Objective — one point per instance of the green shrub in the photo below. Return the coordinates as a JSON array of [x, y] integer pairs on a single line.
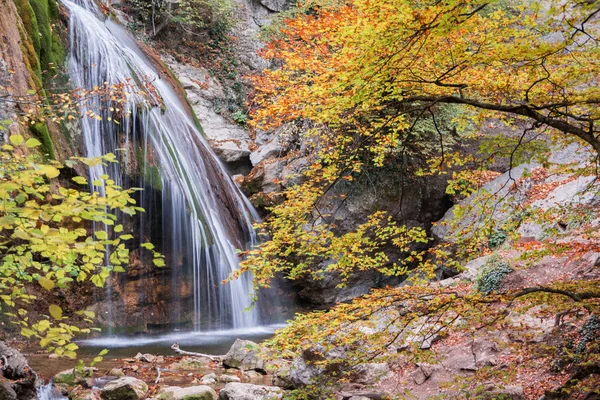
[[240, 117], [590, 332], [216, 17], [497, 238], [491, 276]]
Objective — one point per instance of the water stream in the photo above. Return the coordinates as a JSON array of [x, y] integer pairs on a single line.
[[202, 218]]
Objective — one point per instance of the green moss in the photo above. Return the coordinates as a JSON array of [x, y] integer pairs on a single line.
[[43, 52], [38, 17], [40, 131], [65, 377], [204, 396], [152, 177], [30, 40], [51, 53]]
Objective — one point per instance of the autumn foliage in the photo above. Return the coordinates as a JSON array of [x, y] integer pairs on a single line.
[[372, 81]]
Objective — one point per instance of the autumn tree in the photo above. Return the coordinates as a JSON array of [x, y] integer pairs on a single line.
[[372, 80], [57, 232]]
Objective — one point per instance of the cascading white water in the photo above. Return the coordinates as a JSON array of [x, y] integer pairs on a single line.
[[202, 212], [49, 392]]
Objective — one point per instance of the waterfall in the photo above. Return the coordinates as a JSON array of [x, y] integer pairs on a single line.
[[204, 218]]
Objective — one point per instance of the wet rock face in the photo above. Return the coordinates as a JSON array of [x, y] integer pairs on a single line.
[[228, 140], [276, 5], [567, 190]]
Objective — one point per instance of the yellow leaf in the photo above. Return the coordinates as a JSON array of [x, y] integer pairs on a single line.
[[46, 283], [55, 311], [50, 171]]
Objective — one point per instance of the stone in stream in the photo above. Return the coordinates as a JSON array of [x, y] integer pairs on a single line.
[[72, 377], [124, 388], [118, 372], [147, 358], [188, 393], [190, 364], [209, 379], [229, 378], [247, 391], [245, 355], [83, 394], [253, 375]]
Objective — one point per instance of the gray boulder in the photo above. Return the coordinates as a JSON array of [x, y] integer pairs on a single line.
[[245, 355], [118, 372], [305, 368], [247, 391], [276, 5], [281, 373], [229, 378], [188, 393], [510, 392], [368, 374], [125, 388], [190, 364], [209, 379], [271, 149], [19, 380]]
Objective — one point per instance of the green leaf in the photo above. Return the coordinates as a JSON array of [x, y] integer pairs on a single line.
[[32, 143], [102, 235], [17, 140]]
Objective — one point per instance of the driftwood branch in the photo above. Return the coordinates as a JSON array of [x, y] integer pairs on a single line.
[[157, 375], [177, 350]]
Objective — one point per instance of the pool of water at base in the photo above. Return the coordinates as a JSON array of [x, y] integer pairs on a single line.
[[211, 342]]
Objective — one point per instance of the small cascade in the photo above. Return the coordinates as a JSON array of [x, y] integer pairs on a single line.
[[202, 217], [48, 392]]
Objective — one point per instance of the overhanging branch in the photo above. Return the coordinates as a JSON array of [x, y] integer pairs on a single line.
[[532, 112]]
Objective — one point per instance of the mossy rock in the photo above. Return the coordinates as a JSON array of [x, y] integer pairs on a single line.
[[30, 41], [40, 131], [43, 52], [64, 378], [70, 377]]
